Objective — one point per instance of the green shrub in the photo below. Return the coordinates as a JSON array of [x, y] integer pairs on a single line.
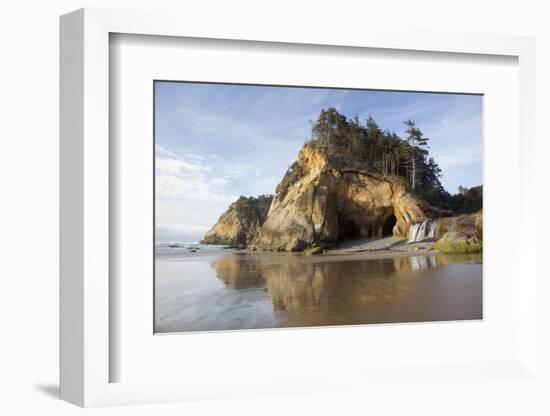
[[458, 247], [312, 251]]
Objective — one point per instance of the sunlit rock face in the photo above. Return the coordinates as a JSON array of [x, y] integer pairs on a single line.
[[240, 224], [471, 225], [317, 205]]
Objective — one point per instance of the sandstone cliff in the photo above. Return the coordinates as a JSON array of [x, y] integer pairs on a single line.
[[318, 205], [240, 224]]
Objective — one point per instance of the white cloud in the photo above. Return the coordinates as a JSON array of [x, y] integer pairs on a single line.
[[179, 178], [195, 187], [161, 151], [170, 162], [185, 219], [177, 166], [192, 156]]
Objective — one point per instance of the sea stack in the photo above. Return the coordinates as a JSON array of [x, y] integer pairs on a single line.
[[317, 205]]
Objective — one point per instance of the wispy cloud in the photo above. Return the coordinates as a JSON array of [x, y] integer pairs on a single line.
[[187, 196], [195, 187], [176, 166]]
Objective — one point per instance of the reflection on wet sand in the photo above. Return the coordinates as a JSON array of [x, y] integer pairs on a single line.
[[335, 291], [221, 290]]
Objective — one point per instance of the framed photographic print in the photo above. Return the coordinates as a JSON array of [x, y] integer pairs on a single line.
[[300, 204], [285, 206]]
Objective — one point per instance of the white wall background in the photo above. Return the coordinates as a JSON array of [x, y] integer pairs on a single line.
[[29, 206]]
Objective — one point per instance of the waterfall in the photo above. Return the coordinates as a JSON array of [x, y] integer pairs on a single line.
[[422, 231]]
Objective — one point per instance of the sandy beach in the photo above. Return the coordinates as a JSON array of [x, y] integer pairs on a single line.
[[215, 289]]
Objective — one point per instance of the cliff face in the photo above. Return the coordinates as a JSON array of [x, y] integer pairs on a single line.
[[317, 205], [471, 225], [240, 224]]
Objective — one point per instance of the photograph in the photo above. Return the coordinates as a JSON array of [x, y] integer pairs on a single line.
[[240, 208], [303, 206]]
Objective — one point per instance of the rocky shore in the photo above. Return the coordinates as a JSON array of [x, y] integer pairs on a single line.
[[387, 244]]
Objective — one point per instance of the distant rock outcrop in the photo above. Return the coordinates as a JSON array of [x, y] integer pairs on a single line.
[[240, 224], [317, 205]]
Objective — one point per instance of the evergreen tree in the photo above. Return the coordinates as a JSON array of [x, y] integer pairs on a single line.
[[372, 141], [347, 143], [416, 155], [331, 131]]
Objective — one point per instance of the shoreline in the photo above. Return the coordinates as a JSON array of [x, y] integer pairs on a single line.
[[337, 255], [343, 254], [374, 254], [368, 249]]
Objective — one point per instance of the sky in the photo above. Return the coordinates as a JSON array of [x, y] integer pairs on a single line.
[[215, 142]]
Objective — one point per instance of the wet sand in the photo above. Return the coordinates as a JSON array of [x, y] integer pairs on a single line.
[[215, 289]]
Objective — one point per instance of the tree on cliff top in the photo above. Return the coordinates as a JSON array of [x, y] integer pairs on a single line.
[[417, 142], [349, 144]]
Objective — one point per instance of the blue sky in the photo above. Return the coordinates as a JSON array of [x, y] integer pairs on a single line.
[[215, 142]]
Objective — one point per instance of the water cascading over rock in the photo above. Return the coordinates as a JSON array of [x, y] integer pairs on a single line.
[[422, 231]]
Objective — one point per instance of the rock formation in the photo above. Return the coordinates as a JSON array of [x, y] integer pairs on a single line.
[[471, 225], [239, 225], [317, 205], [461, 234]]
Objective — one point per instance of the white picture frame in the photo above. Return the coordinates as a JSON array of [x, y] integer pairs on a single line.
[[86, 265]]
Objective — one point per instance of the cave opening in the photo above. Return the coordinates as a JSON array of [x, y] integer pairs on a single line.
[[387, 226], [349, 230]]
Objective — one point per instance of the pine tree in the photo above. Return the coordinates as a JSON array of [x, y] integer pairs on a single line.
[[348, 143], [372, 139], [417, 141]]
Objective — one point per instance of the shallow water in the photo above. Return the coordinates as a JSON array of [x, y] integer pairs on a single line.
[[217, 289]]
